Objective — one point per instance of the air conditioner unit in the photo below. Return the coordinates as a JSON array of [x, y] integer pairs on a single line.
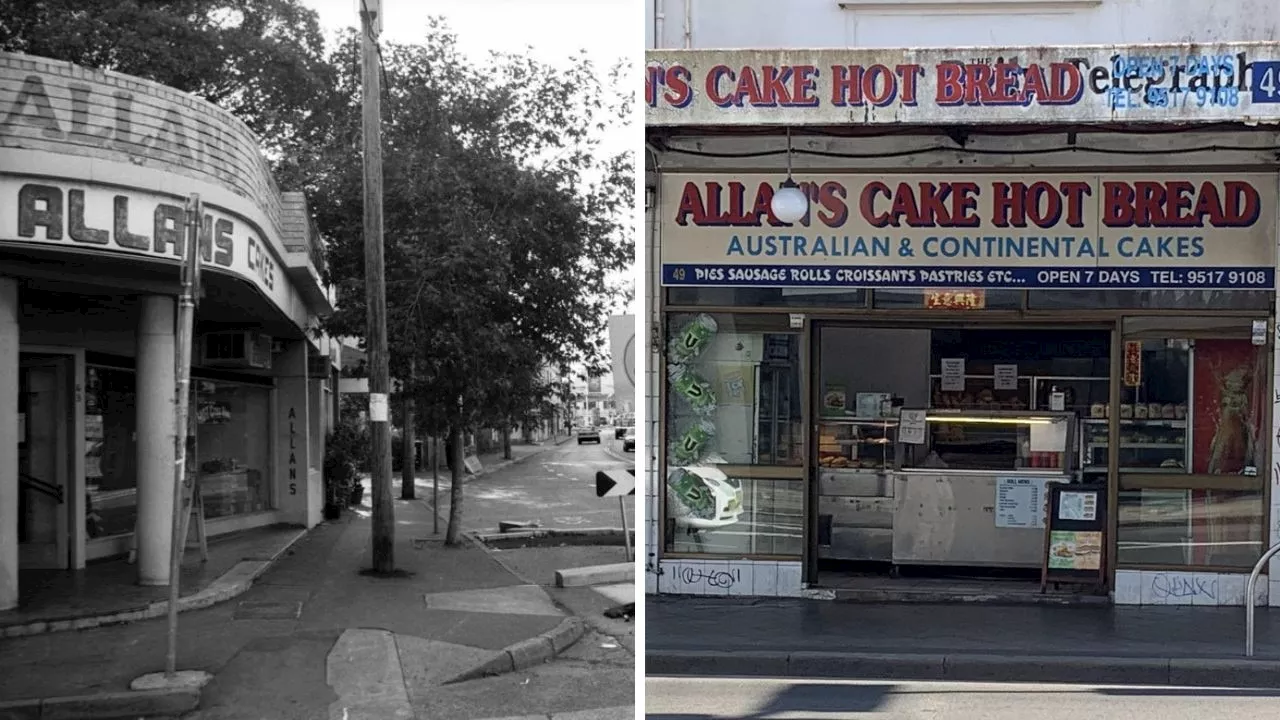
[[241, 349]]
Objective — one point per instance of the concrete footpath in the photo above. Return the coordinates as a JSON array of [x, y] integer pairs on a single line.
[[1194, 646], [314, 637]]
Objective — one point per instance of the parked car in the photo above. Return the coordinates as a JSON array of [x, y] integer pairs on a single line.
[[629, 440], [588, 434]]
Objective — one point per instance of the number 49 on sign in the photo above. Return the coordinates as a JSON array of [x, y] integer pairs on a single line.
[[1266, 82]]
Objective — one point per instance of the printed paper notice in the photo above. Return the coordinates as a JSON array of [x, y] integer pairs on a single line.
[[1006, 377], [952, 374], [1020, 502], [377, 407], [911, 427], [1078, 506]]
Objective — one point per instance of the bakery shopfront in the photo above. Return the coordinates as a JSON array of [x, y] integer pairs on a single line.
[[902, 296], [95, 169]]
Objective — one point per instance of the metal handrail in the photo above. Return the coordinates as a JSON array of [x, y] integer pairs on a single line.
[[40, 486], [1249, 597]]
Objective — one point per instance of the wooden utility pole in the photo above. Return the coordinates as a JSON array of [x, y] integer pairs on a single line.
[[375, 292]]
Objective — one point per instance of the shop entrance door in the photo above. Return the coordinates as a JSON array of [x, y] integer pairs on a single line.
[[44, 461]]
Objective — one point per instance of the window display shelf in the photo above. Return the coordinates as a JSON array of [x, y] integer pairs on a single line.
[[857, 443], [1146, 445], [1139, 421], [1136, 470]]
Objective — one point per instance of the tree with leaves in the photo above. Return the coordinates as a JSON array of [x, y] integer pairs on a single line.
[[504, 228]]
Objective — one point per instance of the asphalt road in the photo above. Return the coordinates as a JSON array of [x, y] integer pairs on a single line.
[[779, 699], [556, 489]]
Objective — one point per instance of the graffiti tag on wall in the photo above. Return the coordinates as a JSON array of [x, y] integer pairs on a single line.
[[1183, 588], [719, 579]]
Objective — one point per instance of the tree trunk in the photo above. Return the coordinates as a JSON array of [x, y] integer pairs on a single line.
[[506, 441], [451, 535], [408, 456]]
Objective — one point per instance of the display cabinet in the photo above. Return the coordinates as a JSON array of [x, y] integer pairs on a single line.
[[856, 460], [858, 443], [779, 426], [995, 441], [1147, 445]]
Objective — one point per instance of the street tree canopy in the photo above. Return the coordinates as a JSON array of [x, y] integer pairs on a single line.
[[504, 223]]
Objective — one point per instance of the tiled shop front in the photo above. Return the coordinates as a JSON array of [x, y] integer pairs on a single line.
[[1052, 267]]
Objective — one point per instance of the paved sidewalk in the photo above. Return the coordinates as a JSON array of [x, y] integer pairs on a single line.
[[315, 636], [1191, 645], [107, 592]]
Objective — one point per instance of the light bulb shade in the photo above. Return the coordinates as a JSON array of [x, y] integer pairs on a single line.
[[789, 202]]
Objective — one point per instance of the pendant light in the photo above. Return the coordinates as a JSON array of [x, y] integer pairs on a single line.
[[789, 202]]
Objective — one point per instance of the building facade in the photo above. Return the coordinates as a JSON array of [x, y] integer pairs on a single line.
[[593, 402], [95, 168], [1017, 274]]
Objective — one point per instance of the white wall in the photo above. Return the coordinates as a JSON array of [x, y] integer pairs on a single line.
[[959, 23]]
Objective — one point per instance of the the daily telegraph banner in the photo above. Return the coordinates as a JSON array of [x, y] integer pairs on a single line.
[[974, 231], [1088, 84]]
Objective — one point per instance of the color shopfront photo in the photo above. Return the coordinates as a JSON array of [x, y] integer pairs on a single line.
[[881, 355]]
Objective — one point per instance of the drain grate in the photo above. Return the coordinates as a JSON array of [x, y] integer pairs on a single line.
[[267, 610]]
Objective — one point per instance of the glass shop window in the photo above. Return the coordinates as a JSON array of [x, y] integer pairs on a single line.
[[733, 400]]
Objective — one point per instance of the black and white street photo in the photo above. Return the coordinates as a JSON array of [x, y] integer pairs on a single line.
[[317, 359]]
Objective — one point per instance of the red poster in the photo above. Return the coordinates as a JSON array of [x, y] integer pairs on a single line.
[[1228, 390]]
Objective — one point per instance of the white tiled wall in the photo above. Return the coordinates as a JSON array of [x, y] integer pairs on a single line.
[[1160, 587], [652, 363], [746, 578]]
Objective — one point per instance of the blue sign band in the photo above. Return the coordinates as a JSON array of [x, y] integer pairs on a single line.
[[876, 276]]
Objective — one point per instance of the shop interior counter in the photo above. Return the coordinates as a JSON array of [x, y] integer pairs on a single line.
[[973, 492]]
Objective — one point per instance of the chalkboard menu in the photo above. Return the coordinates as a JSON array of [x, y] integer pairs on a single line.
[[1075, 535]]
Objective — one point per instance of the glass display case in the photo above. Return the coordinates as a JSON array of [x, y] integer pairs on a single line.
[[854, 443], [995, 441]]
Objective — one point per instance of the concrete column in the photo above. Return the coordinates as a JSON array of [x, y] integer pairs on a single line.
[[9, 312], [156, 390], [296, 491]]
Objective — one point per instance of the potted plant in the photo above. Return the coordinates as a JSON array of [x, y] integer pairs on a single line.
[[343, 455]]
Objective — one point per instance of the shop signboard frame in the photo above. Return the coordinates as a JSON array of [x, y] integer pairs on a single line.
[[1015, 85], [1022, 230], [1075, 535]]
